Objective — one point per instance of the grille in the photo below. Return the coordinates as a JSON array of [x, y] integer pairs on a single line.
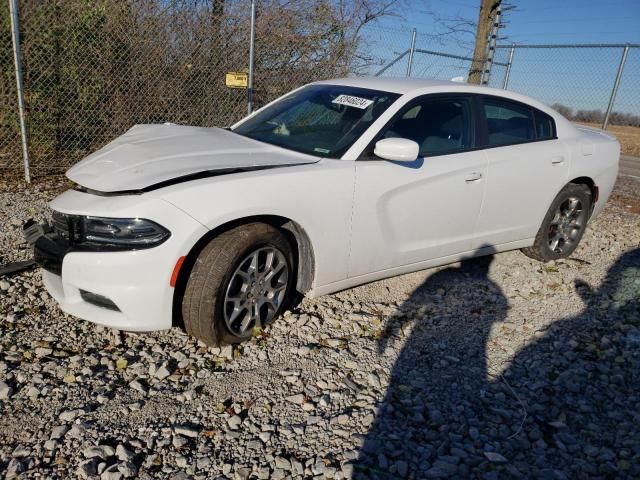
[[60, 224]]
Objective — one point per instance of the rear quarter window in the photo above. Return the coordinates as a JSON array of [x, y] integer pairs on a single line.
[[508, 122], [545, 126]]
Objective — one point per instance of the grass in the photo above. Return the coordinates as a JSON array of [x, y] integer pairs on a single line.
[[629, 137]]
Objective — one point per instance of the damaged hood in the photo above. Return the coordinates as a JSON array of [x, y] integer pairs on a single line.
[[149, 155]]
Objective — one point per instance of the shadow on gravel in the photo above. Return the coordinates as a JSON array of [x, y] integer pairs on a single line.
[[567, 406]]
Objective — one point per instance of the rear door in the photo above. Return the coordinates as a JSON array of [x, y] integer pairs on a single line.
[[528, 165]]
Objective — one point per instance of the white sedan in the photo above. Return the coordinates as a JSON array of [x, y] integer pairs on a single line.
[[335, 184]]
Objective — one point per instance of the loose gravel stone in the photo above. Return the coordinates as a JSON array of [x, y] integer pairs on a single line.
[[128, 469], [234, 422], [489, 368], [5, 391], [495, 457], [187, 430], [138, 385], [297, 399], [58, 432], [123, 453], [88, 468], [93, 452], [70, 415], [162, 373]]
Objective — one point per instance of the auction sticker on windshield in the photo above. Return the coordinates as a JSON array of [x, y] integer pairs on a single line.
[[350, 101]]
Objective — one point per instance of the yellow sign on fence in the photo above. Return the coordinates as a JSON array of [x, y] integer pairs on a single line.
[[237, 79]]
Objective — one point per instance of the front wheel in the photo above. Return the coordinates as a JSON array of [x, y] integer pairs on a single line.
[[240, 281], [563, 225]]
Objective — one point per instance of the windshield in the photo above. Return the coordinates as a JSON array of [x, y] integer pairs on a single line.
[[322, 120]]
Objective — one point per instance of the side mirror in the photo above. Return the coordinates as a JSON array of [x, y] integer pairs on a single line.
[[397, 149]]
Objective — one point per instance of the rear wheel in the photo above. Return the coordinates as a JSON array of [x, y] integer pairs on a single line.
[[240, 281], [563, 225]]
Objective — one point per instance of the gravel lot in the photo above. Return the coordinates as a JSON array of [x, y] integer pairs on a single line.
[[491, 368]]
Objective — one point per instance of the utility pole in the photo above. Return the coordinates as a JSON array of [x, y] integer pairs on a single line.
[[491, 48], [485, 27]]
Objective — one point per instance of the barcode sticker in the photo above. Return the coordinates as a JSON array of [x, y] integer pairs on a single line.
[[350, 101]]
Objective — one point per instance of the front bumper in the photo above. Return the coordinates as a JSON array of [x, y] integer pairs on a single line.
[[136, 283], [49, 251]]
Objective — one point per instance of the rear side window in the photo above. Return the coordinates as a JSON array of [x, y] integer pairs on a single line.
[[508, 122], [545, 126]]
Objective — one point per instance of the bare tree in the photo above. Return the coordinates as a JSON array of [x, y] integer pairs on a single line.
[[596, 116], [563, 110], [355, 15], [304, 40]]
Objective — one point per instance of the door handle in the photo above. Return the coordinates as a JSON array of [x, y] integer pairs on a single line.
[[473, 177], [559, 160]]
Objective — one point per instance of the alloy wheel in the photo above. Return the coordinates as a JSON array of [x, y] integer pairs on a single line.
[[566, 226], [256, 290]]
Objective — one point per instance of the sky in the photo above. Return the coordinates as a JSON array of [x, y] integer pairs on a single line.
[[545, 21], [581, 78]]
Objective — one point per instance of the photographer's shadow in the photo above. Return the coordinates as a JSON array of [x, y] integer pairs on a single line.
[[439, 380], [566, 407]]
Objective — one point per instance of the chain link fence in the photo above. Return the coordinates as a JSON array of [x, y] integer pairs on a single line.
[[433, 60], [578, 80], [94, 69]]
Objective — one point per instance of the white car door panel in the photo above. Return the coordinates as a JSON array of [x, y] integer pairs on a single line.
[[522, 181], [521, 184], [405, 214]]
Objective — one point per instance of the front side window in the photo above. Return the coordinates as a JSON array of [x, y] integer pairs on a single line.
[[508, 122], [438, 126], [321, 120]]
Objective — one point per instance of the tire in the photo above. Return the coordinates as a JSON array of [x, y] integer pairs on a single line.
[[225, 297], [563, 225]]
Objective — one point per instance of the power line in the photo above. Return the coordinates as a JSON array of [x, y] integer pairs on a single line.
[[564, 34], [559, 20]]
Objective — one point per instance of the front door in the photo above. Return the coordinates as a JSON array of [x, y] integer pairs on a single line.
[[406, 213]]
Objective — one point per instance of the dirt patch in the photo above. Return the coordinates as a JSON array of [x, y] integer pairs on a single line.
[[626, 195], [630, 204]]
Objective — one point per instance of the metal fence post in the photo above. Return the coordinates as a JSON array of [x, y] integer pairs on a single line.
[[507, 72], [17, 58], [252, 41], [616, 84], [411, 52], [391, 64]]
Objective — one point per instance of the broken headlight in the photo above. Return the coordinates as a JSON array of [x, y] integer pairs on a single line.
[[132, 232], [109, 233]]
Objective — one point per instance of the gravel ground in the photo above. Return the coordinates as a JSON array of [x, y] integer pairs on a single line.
[[491, 368]]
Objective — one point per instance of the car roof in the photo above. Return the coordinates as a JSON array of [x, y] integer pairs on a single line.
[[421, 86], [391, 84]]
